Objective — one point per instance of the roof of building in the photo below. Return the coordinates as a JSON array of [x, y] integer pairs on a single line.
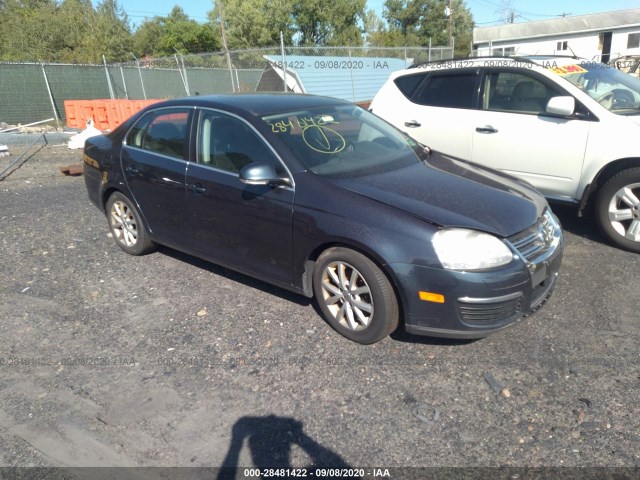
[[558, 26], [355, 79]]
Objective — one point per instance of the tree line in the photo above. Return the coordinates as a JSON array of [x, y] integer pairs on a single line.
[[76, 31]]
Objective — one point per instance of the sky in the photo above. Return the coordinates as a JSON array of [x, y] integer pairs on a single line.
[[485, 12]]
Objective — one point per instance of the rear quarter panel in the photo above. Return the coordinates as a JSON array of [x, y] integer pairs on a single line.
[[102, 160]]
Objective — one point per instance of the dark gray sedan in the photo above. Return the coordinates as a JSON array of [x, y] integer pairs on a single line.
[[321, 197]]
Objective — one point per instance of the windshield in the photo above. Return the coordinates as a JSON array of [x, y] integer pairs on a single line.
[[344, 141], [615, 90]]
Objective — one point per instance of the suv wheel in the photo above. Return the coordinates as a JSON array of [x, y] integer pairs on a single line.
[[618, 209]]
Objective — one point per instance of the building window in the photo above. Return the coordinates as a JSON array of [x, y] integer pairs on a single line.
[[504, 51], [633, 40], [562, 45]]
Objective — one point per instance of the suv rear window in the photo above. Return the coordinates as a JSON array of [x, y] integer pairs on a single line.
[[408, 84], [448, 89]]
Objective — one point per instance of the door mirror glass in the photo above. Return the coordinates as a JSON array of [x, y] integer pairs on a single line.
[[563, 106]]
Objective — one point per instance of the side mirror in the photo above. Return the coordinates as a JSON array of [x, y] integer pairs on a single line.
[[563, 106], [261, 174]]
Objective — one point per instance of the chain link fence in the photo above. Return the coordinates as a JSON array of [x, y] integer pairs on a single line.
[[32, 92]]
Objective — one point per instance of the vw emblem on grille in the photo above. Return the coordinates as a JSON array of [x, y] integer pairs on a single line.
[[545, 232]]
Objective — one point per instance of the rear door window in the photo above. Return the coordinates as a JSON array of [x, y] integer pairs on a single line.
[[451, 89], [162, 131]]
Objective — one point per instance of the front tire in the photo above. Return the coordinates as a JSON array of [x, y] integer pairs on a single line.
[[618, 210], [355, 296], [126, 225]]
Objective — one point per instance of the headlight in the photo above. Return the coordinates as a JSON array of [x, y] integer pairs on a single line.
[[461, 249]]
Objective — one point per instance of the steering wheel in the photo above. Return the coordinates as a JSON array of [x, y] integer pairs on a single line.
[[623, 98], [606, 100], [616, 99]]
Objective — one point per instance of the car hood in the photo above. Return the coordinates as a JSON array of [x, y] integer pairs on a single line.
[[454, 193]]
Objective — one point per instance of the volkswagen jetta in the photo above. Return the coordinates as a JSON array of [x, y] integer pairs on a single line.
[[321, 197]]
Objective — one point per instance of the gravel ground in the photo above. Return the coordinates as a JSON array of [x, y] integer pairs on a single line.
[[165, 360]]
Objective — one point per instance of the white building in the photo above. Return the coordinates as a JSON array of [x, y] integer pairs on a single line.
[[599, 37]]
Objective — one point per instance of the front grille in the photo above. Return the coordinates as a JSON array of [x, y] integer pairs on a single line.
[[539, 240], [486, 312], [528, 244]]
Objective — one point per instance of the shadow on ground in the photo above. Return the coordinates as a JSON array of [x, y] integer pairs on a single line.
[[584, 226], [270, 440], [235, 276]]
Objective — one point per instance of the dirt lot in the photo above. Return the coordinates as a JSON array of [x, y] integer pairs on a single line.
[[165, 360]]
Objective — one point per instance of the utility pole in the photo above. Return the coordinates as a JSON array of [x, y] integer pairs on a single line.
[[224, 43], [449, 13]]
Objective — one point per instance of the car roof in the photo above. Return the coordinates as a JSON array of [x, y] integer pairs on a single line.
[[542, 60], [560, 60], [257, 104]]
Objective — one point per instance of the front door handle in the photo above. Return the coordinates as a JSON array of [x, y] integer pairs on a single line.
[[132, 169], [486, 129], [412, 124], [198, 188]]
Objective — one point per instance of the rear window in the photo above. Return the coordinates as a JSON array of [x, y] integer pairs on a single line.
[[449, 89], [409, 83]]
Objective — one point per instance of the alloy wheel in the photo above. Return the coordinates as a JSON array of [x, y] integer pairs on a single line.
[[347, 295], [624, 212], [123, 224]]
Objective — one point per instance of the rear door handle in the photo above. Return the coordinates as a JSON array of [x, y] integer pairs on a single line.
[[198, 188], [486, 129], [132, 169], [412, 124]]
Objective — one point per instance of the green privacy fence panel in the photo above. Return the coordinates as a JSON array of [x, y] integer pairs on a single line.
[[207, 80], [170, 83], [158, 83], [25, 95], [75, 82]]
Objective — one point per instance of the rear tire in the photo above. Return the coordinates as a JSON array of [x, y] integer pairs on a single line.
[[617, 209], [355, 296], [126, 225]]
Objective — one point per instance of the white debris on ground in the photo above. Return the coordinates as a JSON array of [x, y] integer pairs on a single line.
[[77, 141], [41, 126], [4, 151]]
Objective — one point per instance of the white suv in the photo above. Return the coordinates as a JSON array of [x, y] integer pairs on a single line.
[[569, 126]]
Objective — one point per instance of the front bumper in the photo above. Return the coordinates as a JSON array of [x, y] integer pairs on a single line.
[[477, 304]]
